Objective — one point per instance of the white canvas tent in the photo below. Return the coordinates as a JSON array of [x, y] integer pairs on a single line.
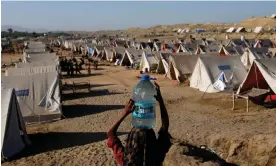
[[119, 53], [163, 65], [250, 54], [13, 132], [35, 51], [181, 66], [35, 64], [149, 62], [191, 48], [258, 29], [240, 29], [109, 54], [41, 58], [231, 30], [133, 56], [30, 70], [261, 75], [216, 73], [38, 95], [40, 54], [231, 51]]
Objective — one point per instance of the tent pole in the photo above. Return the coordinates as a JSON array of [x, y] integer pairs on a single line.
[[233, 96], [209, 86]]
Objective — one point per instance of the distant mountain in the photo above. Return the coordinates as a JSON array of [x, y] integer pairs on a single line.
[[20, 29]]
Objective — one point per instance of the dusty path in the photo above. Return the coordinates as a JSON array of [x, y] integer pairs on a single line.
[[236, 136]]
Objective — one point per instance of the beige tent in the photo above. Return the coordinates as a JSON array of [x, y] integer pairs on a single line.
[[109, 54], [119, 53], [231, 50], [133, 56], [250, 54], [29, 70], [181, 66], [32, 58], [231, 30], [13, 133], [258, 29], [38, 95], [261, 75], [240, 29], [149, 62], [216, 73]]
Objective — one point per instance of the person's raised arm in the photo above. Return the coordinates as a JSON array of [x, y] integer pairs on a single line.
[[163, 110], [127, 110]]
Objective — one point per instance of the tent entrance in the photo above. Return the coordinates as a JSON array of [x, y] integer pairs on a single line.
[[172, 72], [113, 59], [222, 52], [254, 79], [160, 68], [126, 61]]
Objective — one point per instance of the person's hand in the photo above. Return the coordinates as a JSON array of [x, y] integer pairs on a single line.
[[129, 107], [158, 95]]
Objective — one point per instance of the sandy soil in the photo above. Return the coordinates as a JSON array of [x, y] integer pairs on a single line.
[[10, 58], [236, 136]]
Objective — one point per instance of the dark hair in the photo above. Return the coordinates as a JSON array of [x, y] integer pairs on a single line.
[[140, 146]]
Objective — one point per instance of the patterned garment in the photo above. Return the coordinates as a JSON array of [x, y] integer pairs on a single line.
[[142, 148]]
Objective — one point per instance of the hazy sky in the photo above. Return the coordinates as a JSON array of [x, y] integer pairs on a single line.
[[122, 15]]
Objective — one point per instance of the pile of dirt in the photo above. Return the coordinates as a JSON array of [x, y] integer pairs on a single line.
[[255, 150], [243, 151]]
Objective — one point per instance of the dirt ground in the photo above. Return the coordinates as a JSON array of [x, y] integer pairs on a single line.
[[237, 137], [10, 58]]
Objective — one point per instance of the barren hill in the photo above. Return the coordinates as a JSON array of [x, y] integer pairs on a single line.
[[258, 21]]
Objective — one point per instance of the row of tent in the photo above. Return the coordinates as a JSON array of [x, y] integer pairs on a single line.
[[132, 57], [30, 94], [242, 29], [194, 46], [206, 72]]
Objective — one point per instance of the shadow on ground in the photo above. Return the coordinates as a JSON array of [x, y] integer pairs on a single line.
[[64, 76], [45, 142], [93, 93], [82, 85], [73, 111], [100, 68], [204, 155]]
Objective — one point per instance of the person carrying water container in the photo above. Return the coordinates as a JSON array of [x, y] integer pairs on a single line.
[[142, 147]]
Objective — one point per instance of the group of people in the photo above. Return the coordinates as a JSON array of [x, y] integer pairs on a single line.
[[71, 65]]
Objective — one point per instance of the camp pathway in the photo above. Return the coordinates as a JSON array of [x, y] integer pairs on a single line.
[[80, 139]]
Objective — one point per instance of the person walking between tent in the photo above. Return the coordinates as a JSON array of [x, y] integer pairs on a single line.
[[142, 147], [70, 68], [95, 65], [89, 68]]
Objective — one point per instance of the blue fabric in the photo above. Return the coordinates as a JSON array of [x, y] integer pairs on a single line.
[[91, 50], [224, 67]]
